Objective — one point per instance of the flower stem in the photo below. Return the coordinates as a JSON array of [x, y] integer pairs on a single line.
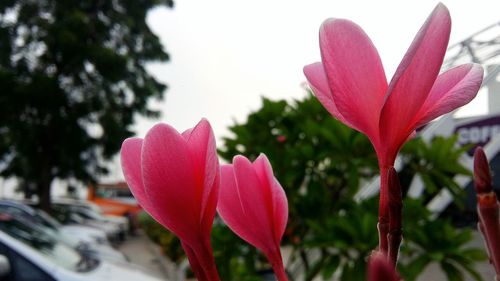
[[276, 261], [193, 261], [395, 216], [279, 271], [383, 211], [489, 224], [204, 255]]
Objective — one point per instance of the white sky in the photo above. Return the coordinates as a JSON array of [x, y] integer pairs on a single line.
[[226, 54]]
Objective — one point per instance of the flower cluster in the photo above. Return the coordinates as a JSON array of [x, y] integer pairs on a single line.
[[176, 177]]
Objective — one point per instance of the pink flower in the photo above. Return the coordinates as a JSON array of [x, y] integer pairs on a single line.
[[253, 204], [351, 83], [175, 178]]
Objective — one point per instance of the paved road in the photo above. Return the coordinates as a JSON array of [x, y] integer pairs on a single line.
[[141, 251]]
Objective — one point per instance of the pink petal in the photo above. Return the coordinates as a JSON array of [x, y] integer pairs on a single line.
[[208, 213], [280, 210], [130, 155], [230, 208], [201, 144], [277, 200], [411, 135], [414, 78], [187, 133], [318, 82], [452, 89], [256, 201], [355, 74], [170, 182]]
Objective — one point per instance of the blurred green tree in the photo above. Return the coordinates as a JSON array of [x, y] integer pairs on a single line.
[[73, 77], [436, 163]]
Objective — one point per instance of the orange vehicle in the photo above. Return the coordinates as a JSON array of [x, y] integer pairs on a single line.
[[115, 199]]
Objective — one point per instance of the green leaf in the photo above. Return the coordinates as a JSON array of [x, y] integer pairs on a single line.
[[411, 270], [330, 267], [475, 254], [451, 271]]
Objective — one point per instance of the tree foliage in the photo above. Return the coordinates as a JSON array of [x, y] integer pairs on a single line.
[[73, 77], [436, 163]]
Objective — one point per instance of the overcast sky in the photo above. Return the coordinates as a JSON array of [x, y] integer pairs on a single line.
[[226, 54]]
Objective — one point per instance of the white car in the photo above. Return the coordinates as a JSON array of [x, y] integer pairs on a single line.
[[123, 222], [87, 234], [83, 233], [87, 240], [29, 254], [91, 211], [82, 213], [111, 230]]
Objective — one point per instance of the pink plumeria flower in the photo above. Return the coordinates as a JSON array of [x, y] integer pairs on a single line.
[[175, 178], [253, 204], [351, 83]]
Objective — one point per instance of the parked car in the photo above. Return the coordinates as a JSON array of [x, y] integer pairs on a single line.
[[26, 253], [66, 214], [91, 211], [122, 221], [88, 246], [81, 232]]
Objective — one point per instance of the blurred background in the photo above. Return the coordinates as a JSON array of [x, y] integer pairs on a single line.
[[78, 77]]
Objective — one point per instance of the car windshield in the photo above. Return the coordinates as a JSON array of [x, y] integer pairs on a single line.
[[65, 216], [47, 220], [90, 214], [47, 245], [82, 211], [29, 214]]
